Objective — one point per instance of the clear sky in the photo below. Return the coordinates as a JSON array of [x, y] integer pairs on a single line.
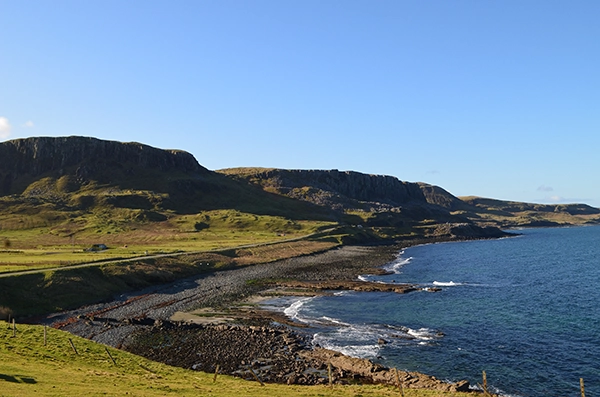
[[494, 98]]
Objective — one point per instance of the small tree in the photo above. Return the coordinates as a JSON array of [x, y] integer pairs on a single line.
[[7, 243]]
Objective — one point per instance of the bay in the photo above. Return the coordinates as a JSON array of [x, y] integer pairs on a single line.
[[523, 309]]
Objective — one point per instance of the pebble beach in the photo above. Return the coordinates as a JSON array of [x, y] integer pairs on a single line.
[[254, 348]]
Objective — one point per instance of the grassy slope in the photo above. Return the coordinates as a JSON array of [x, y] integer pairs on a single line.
[[27, 367], [49, 245]]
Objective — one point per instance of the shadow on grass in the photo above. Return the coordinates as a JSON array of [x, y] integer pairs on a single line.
[[17, 379]]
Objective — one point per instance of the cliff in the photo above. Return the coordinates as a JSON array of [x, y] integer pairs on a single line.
[[83, 173], [24, 161], [339, 189], [373, 200]]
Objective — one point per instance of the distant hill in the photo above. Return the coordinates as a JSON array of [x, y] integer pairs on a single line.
[[506, 214], [379, 200], [387, 201], [517, 214], [55, 181]]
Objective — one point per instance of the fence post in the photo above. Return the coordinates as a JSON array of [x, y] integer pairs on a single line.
[[14, 328], [73, 346], [256, 377], [45, 332], [216, 373], [484, 382], [110, 355], [329, 374], [582, 387], [484, 386]]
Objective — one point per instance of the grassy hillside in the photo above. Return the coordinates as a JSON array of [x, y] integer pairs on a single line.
[[32, 240], [29, 367]]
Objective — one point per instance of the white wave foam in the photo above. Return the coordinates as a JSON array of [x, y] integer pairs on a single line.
[[446, 283], [398, 264], [363, 340], [352, 349], [335, 321], [293, 310], [365, 351], [363, 278], [423, 334], [341, 293]]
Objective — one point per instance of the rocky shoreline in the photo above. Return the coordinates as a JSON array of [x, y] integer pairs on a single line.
[[270, 353], [248, 345]]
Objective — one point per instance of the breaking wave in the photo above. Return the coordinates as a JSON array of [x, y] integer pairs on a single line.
[[446, 283]]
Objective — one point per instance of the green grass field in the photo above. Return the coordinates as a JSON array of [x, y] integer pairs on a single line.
[[49, 291], [65, 243], [28, 367]]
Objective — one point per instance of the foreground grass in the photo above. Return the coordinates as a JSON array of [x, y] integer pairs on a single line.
[[28, 367]]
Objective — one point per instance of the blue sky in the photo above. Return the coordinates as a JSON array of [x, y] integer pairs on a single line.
[[492, 98]]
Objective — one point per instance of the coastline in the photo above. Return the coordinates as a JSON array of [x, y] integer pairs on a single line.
[[224, 305]]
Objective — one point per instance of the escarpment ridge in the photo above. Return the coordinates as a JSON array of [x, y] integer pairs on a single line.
[[75, 170], [382, 189]]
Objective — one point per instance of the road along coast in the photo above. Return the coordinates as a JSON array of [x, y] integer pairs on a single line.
[[247, 344]]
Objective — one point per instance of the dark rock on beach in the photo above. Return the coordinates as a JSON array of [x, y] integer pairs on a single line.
[[351, 285], [271, 354]]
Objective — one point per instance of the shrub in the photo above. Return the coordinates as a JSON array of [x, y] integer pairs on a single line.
[[5, 313]]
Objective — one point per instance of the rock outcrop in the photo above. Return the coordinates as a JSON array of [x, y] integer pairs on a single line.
[[350, 285], [380, 374]]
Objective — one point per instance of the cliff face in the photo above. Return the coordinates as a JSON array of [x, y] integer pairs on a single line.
[[25, 160], [341, 189], [354, 185]]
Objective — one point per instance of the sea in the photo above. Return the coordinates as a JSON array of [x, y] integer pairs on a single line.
[[524, 309]]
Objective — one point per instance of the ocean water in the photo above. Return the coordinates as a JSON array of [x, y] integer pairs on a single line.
[[525, 309]]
